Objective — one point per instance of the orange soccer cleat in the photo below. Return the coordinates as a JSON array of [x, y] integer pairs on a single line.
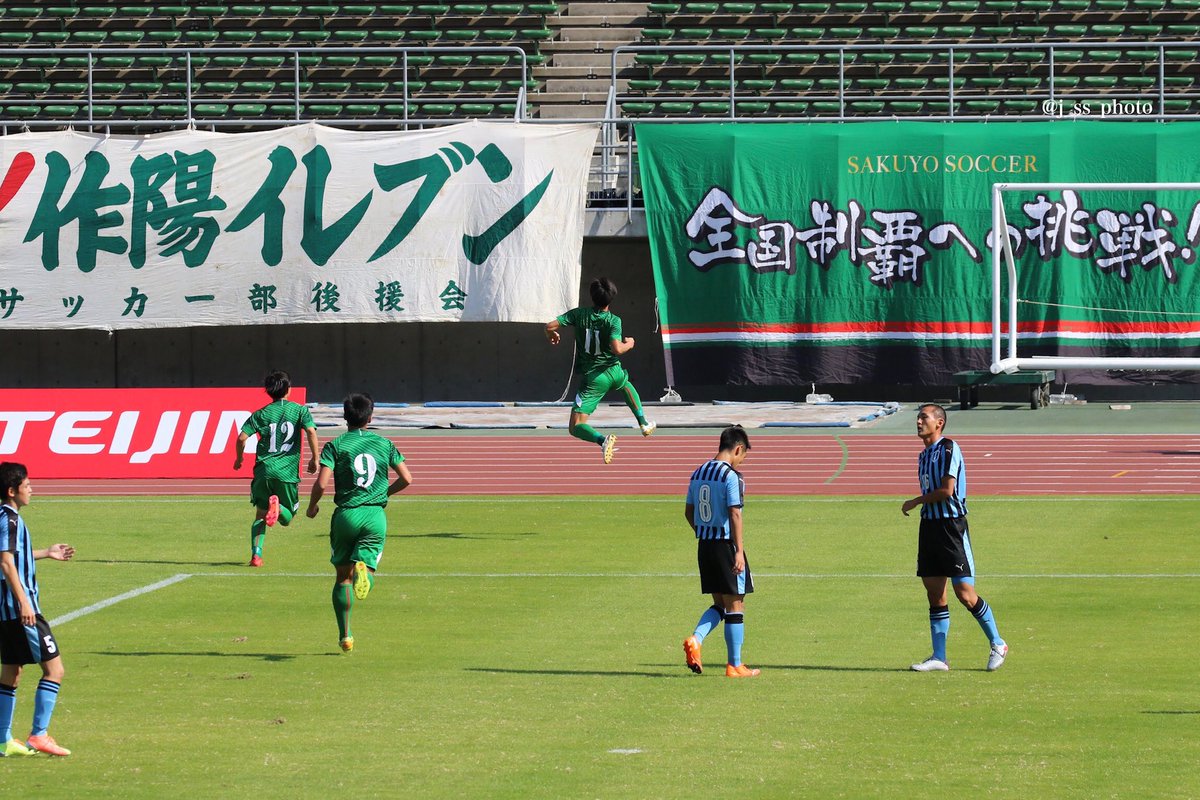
[[272, 510], [691, 652], [740, 671], [46, 744]]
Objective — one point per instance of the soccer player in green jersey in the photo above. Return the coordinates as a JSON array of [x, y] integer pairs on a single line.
[[358, 462], [598, 347], [274, 491]]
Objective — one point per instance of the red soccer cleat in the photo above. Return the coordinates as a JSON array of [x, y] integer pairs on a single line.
[[272, 510], [46, 744], [256, 561]]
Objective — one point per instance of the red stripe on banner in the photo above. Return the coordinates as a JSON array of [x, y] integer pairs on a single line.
[[1146, 327]]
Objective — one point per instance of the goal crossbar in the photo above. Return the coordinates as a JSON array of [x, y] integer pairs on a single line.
[[1002, 258]]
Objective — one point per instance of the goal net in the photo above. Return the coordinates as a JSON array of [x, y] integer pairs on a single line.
[[1095, 276]]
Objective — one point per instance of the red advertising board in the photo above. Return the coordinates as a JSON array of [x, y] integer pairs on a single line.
[[128, 433]]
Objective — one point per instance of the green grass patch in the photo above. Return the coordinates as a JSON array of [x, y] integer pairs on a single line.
[[530, 647]]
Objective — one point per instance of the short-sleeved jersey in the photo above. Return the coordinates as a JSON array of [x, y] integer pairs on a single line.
[[594, 329], [360, 461], [715, 488], [938, 460], [279, 426], [14, 538]]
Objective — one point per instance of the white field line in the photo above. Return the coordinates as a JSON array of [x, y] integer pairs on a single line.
[[691, 575], [119, 598], [533, 498]]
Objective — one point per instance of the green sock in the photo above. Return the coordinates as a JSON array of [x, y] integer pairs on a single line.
[[285, 515], [258, 532], [587, 433], [343, 601], [371, 579], [634, 402]]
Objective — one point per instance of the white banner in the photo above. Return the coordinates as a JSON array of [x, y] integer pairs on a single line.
[[472, 222]]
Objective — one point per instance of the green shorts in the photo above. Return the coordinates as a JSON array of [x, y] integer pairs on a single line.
[[593, 387], [261, 490], [357, 534]]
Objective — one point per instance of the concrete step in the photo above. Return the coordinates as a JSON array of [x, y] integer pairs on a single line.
[[623, 34], [606, 9], [601, 61], [565, 111], [594, 100], [589, 86], [610, 20]]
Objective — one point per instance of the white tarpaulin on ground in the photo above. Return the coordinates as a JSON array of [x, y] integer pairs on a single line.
[[472, 222]]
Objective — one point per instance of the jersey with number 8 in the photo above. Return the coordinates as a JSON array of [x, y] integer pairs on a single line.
[[278, 426], [361, 462]]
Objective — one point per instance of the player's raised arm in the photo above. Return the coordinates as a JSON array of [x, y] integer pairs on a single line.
[[552, 334], [320, 485], [404, 479]]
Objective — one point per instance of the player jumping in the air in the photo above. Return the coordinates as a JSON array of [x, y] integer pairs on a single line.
[[598, 347], [274, 491]]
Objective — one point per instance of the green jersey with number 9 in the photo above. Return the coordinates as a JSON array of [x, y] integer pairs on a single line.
[[278, 426], [594, 329], [361, 461]]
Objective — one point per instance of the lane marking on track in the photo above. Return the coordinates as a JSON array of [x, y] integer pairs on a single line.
[[1190, 497], [120, 598], [1122, 472], [845, 459]]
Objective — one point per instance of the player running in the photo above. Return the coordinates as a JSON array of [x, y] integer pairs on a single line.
[[358, 462], [274, 491], [25, 636], [598, 347]]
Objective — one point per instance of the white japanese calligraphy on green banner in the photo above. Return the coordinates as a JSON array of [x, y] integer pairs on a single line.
[[472, 222]]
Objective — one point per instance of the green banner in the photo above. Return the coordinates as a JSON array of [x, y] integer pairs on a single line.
[[788, 253]]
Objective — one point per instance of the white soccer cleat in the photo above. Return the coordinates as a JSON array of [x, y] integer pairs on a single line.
[[997, 656], [931, 664], [649, 428], [609, 447]]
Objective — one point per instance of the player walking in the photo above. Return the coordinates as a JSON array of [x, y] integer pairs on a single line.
[[358, 462], [25, 636], [714, 510], [599, 345], [274, 491], [944, 544]]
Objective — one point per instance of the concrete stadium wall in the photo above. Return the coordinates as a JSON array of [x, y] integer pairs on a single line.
[[402, 362]]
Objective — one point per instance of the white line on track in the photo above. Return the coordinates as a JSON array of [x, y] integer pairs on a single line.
[[119, 598], [501, 500]]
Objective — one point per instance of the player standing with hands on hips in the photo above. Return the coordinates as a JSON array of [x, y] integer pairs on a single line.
[[944, 544]]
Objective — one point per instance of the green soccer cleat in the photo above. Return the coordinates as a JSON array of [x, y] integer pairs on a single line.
[[14, 748], [362, 580]]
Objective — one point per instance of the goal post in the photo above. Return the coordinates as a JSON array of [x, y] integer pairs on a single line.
[[1004, 263]]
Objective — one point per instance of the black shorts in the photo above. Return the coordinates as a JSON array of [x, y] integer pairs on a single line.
[[21, 644], [944, 549], [715, 558]]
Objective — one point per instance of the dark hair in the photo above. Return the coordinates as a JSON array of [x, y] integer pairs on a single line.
[[603, 292], [277, 384], [732, 436], [938, 412], [357, 409], [12, 475]]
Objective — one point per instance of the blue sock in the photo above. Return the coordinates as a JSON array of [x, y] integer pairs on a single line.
[[983, 615], [8, 704], [734, 634], [43, 706], [710, 619], [939, 627]]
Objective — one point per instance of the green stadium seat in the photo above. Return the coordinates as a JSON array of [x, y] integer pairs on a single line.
[[1021, 106], [795, 84], [981, 106], [437, 109], [201, 36], [720, 33], [15, 37], [663, 9], [275, 36], [238, 36], [657, 34], [27, 87], [69, 87], [164, 37], [477, 109], [145, 87], [454, 61], [461, 35], [350, 36], [57, 110], [675, 107], [420, 36], [1099, 81], [906, 106], [21, 112], [53, 37], [740, 9], [866, 106], [644, 85], [23, 11], [789, 108], [310, 37], [323, 109], [248, 109], [683, 84], [98, 12], [631, 109], [229, 62]]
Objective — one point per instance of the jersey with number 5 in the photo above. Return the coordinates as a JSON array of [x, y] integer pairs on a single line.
[[361, 461], [594, 329], [279, 426], [715, 488]]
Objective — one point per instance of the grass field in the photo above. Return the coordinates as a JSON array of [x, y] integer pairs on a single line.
[[531, 648]]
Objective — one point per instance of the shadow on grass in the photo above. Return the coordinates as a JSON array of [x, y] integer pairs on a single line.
[[600, 673], [160, 561], [273, 657], [830, 668], [1173, 713], [463, 535]]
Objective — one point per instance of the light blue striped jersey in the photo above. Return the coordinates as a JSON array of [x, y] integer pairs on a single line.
[[715, 488], [14, 538], [938, 460]]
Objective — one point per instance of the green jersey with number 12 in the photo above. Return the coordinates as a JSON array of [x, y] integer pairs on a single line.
[[360, 461], [594, 329], [279, 427]]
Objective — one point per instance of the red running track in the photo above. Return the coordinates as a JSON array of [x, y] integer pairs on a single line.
[[788, 465]]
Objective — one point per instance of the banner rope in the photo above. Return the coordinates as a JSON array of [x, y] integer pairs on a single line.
[[1104, 308]]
